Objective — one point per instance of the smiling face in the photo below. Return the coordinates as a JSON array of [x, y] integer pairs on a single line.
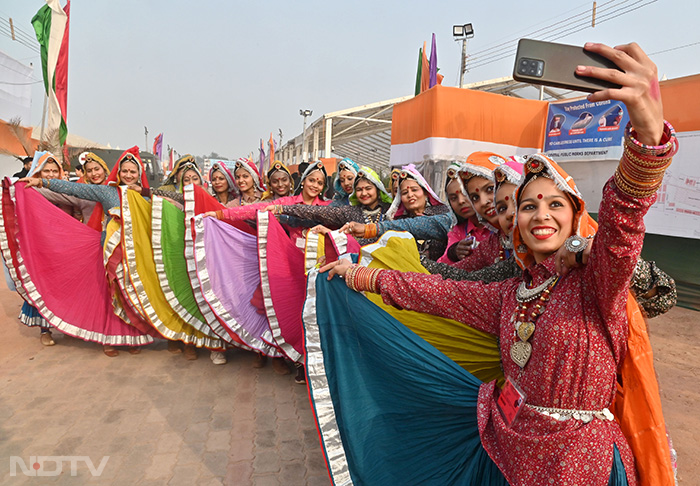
[[244, 180], [313, 184], [505, 207], [50, 170], [366, 193], [480, 192], [458, 201], [280, 183], [191, 177], [219, 182], [413, 197], [95, 173], [346, 178], [129, 173], [545, 217]]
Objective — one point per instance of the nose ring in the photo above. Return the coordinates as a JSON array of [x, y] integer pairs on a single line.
[[546, 216]]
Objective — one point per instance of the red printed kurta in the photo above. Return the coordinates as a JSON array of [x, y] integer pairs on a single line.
[[579, 341]]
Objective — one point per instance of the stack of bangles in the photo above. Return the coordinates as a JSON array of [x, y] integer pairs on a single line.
[[370, 231], [641, 170], [360, 278], [219, 214]]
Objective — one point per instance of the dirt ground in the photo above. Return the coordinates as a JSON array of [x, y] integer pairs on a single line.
[[675, 338]]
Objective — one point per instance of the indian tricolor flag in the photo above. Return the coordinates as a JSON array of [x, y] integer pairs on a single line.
[[443, 125], [51, 27]]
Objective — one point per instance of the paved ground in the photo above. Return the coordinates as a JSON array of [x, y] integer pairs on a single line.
[[166, 421], [160, 419]]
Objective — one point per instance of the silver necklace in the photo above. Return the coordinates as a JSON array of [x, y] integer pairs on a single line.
[[525, 294]]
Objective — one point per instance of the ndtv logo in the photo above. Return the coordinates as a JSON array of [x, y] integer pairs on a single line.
[[37, 465]]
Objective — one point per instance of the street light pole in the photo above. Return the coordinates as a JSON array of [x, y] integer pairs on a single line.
[[304, 113], [463, 66], [145, 138], [463, 32]]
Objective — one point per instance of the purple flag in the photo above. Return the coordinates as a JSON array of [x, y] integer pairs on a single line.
[[433, 63], [262, 157]]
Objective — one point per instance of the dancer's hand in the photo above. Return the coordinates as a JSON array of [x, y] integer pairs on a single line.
[[338, 267], [640, 90], [31, 181], [353, 228], [210, 214], [565, 260], [135, 187], [319, 228], [464, 249]]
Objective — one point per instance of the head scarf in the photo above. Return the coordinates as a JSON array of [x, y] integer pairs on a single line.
[[394, 177], [182, 164], [453, 172], [318, 165], [480, 164], [249, 166], [345, 164], [278, 167], [410, 172], [232, 188], [511, 172], [86, 157], [184, 168], [129, 155], [370, 175], [40, 162], [539, 165]]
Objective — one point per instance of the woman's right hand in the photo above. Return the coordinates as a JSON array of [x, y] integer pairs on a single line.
[[639, 90], [353, 228], [135, 187], [210, 214]]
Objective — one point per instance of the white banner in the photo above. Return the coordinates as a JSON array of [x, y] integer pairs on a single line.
[[15, 90], [677, 209]]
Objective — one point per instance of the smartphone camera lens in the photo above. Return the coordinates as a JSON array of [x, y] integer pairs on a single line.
[[531, 67]]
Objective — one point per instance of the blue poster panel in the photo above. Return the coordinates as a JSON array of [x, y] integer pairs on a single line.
[[580, 130]]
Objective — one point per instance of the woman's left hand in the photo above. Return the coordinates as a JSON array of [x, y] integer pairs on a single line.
[[338, 267], [640, 90], [565, 260], [135, 187]]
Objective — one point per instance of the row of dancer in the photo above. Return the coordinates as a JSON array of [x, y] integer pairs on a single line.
[[546, 321]]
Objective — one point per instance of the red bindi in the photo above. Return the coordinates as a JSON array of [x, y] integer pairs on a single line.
[[506, 198], [476, 190], [539, 196]]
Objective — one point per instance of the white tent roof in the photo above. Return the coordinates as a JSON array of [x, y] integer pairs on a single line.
[[363, 133]]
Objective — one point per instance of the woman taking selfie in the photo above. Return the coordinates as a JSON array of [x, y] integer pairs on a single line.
[[562, 338]]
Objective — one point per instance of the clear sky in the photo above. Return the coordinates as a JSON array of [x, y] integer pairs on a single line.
[[218, 76]]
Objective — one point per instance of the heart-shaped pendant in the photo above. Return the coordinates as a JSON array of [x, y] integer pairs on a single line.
[[525, 330], [520, 353]]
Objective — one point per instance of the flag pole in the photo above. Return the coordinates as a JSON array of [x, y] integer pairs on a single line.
[[43, 117]]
